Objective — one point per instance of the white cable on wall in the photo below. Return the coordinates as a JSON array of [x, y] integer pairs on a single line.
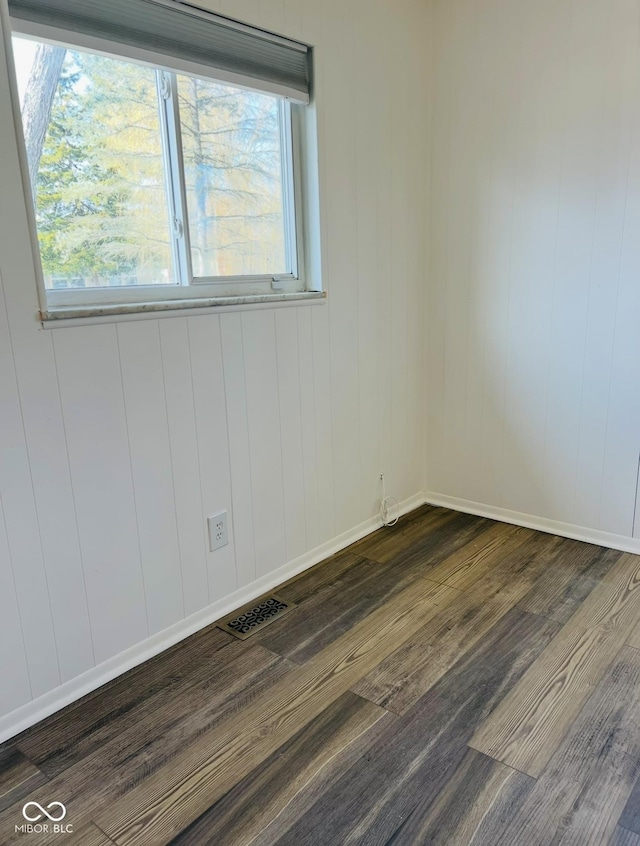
[[388, 505]]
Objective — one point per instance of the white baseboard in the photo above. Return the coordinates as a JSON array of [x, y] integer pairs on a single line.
[[36, 710], [69, 692], [553, 527]]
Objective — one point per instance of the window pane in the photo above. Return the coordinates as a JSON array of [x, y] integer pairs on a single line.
[[233, 171], [92, 132]]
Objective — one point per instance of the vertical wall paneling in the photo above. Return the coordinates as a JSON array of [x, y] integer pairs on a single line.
[[623, 423], [308, 427], [472, 113], [623, 420], [51, 562], [417, 69], [474, 248], [313, 16], [537, 187], [608, 290], [399, 278], [265, 444], [96, 427], [510, 456], [211, 5], [367, 144], [293, 469], [241, 491], [456, 302], [54, 499], [424, 365], [576, 220], [471, 248], [385, 261], [292, 19], [242, 10], [505, 143], [56, 516], [148, 429], [24, 547], [15, 689], [176, 363], [213, 445], [272, 15], [119, 439], [438, 222], [323, 409], [46, 463], [533, 301], [341, 198]]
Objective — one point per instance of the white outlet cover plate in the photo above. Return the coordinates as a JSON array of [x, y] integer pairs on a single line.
[[218, 525]]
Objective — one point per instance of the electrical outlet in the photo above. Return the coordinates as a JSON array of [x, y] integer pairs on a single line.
[[218, 530]]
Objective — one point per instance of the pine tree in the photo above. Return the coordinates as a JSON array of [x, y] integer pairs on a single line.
[[101, 201]]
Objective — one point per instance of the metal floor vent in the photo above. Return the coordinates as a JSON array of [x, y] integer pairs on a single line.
[[248, 620]]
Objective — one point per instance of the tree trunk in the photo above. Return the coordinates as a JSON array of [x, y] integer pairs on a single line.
[[38, 100]]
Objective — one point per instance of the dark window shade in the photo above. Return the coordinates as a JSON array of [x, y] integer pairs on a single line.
[[176, 36]]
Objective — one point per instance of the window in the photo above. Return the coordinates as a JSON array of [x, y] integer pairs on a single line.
[[151, 181]]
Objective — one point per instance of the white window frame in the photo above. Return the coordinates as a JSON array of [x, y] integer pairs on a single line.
[[188, 290]]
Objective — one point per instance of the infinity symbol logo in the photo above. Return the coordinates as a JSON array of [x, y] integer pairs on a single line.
[[44, 812]]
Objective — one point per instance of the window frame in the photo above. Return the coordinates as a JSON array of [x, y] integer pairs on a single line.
[[187, 290]]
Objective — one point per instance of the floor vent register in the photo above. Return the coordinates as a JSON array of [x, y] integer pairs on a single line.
[[254, 617]]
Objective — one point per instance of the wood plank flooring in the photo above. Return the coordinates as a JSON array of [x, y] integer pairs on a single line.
[[451, 680]]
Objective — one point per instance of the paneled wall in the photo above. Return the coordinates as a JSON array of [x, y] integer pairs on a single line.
[[534, 289], [117, 440], [480, 211]]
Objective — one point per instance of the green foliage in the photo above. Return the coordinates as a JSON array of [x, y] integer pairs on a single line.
[[101, 209], [74, 185], [101, 202], [233, 177]]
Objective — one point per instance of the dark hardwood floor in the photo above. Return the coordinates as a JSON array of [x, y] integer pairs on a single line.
[[449, 681]]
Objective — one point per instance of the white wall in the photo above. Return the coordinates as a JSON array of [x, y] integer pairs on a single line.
[[117, 440], [515, 144], [534, 304]]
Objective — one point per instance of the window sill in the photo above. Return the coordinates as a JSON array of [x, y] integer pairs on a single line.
[[83, 315]]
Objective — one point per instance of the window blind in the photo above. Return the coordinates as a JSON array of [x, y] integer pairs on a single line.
[[174, 35]]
